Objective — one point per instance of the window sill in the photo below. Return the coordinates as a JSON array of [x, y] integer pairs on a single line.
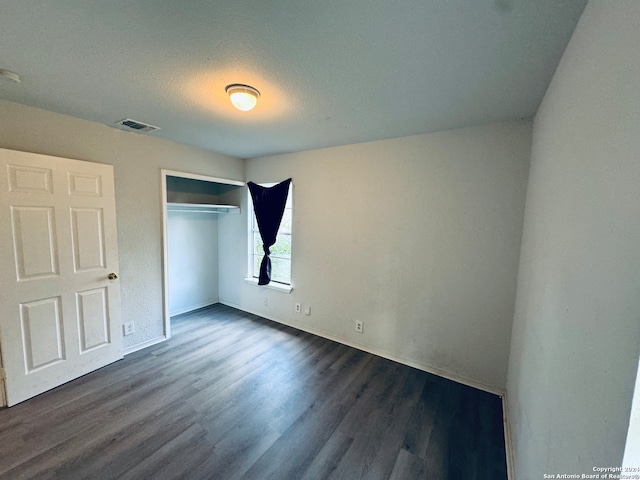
[[279, 287]]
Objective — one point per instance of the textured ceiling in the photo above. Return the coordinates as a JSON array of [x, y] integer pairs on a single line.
[[331, 72]]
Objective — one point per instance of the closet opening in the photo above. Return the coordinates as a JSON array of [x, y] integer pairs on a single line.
[[191, 207]]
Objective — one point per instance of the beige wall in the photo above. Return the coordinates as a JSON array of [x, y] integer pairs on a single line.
[[137, 160], [419, 237], [576, 334], [427, 234]]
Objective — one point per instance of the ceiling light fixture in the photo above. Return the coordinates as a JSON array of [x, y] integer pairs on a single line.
[[243, 97], [9, 75]]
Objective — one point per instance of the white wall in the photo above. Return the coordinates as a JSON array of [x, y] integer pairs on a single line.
[[3, 400], [192, 240], [419, 237], [631, 458], [137, 160], [576, 334]]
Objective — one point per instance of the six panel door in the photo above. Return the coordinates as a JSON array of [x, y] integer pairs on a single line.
[[59, 311]]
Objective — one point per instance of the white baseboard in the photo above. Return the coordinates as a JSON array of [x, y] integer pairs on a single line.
[[162, 338], [142, 345], [425, 368], [508, 446], [190, 308]]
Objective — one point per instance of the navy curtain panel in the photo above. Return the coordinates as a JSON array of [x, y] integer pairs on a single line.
[[268, 203]]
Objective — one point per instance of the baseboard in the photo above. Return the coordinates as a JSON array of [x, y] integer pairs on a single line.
[[3, 397], [162, 338], [142, 345], [192, 307], [508, 446], [425, 368]]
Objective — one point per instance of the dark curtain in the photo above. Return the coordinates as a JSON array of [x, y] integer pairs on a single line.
[[268, 203]]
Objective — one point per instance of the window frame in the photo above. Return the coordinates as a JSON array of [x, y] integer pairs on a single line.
[[252, 229]]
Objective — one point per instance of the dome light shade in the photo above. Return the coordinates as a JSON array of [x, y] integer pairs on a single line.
[[9, 75], [243, 97]]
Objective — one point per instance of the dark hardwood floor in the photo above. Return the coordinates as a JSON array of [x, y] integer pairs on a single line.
[[232, 395]]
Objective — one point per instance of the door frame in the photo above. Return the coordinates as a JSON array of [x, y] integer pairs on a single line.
[[164, 173], [3, 392]]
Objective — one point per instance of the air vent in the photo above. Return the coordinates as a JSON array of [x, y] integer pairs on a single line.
[[128, 124]]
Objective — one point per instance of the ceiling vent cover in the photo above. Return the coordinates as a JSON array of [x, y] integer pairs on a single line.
[[128, 124]]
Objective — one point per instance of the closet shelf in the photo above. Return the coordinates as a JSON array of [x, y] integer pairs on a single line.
[[201, 208]]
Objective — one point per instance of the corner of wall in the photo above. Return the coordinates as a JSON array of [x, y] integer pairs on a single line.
[[508, 444], [575, 329], [3, 392]]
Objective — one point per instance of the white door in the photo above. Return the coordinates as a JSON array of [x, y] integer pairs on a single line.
[[59, 310]]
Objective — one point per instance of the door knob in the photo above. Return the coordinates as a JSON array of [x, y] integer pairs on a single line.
[[112, 276]]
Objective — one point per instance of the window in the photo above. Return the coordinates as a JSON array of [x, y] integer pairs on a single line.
[[280, 251]]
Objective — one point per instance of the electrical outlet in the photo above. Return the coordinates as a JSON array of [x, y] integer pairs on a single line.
[[298, 307], [359, 325], [265, 301], [307, 310], [129, 328]]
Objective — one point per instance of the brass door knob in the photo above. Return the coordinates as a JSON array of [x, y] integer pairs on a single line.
[[112, 276]]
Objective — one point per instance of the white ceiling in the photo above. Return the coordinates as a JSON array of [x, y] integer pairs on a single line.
[[331, 72]]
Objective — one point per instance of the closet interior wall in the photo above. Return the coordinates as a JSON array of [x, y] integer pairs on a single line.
[[192, 242]]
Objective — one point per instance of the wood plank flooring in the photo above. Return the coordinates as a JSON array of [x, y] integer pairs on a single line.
[[234, 396]]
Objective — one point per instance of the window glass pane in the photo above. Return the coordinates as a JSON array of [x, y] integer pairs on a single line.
[[282, 247], [285, 225], [281, 270]]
